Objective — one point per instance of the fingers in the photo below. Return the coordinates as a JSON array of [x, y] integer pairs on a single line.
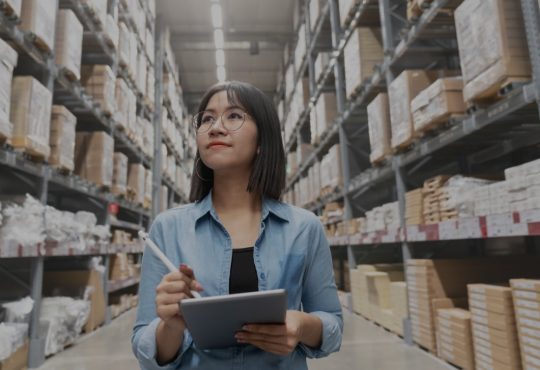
[[167, 311], [251, 337], [267, 329], [276, 349]]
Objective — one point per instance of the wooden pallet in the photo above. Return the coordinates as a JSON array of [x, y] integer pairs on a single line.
[[381, 161], [495, 93], [439, 124], [69, 74], [39, 42], [31, 154], [404, 146]]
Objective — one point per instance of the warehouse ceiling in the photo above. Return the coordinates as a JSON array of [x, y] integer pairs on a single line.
[[255, 33]]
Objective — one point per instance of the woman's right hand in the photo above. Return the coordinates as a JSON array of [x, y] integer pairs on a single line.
[[173, 288]]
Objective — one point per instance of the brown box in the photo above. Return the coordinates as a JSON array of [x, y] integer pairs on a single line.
[[8, 60], [438, 102], [526, 284], [119, 267], [99, 81], [18, 360], [93, 157], [326, 111], [492, 46], [136, 181], [501, 338], [120, 171], [74, 283], [62, 138], [379, 128], [362, 53], [39, 18], [68, 45], [508, 356], [31, 105]]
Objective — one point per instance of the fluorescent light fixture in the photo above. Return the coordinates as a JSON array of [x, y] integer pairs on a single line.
[[221, 73], [217, 19], [218, 38], [220, 57]]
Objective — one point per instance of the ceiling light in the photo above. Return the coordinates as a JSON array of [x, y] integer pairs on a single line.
[[220, 57], [221, 73], [218, 38], [217, 19]]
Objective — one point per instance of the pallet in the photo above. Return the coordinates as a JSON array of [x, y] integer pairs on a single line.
[[32, 154], [439, 124], [8, 11], [404, 146], [495, 93], [69, 74], [39, 42], [62, 169]]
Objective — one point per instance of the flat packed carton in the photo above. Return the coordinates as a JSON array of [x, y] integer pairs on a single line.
[[62, 138], [31, 105], [8, 60]]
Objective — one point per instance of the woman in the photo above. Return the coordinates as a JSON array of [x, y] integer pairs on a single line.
[[238, 237]]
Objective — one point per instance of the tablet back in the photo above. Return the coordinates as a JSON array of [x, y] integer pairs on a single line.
[[213, 321]]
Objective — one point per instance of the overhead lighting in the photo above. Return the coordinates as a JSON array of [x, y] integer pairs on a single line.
[[218, 38], [217, 19], [220, 57], [220, 71]]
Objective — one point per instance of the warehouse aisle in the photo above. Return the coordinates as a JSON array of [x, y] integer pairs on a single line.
[[365, 346]]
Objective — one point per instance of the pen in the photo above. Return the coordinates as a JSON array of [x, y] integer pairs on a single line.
[[145, 237]]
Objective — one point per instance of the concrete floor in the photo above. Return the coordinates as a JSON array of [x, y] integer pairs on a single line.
[[365, 346]]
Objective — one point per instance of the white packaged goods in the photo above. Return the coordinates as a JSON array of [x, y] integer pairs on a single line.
[[321, 62], [18, 311], [362, 53], [62, 138], [94, 157], [458, 194], [68, 47], [437, 103], [8, 60], [120, 172], [492, 46], [345, 10], [62, 320], [401, 92], [39, 18], [300, 50], [99, 81], [326, 111], [136, 182], [379, 128], [23, 223], [124, 44], [12, 337], [30, 114]]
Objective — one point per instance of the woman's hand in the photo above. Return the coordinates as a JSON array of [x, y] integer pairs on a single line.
[[279, 339], [175, 287]]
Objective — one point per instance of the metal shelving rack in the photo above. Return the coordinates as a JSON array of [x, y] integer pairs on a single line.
[[21, 174], [479, 139]]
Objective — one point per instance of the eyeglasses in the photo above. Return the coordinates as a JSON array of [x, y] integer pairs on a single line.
[[232, 120]]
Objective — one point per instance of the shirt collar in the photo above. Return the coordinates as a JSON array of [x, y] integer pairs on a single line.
[[269, 206]]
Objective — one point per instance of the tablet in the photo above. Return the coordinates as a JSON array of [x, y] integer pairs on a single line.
[[213, 321]]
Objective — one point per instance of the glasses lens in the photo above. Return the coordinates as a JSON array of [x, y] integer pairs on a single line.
[[203, 121], [233, 119]]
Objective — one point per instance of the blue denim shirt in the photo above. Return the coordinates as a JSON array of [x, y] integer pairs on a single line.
[[291, 252]]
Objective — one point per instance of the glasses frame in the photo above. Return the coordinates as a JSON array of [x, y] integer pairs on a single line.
[[198, 132]]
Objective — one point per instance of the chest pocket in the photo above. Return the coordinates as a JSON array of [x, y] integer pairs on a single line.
[[292, 268]]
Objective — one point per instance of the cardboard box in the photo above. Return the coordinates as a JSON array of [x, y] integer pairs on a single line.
[[120, 171], [8, 60], [362, 53], [31, 105], [68, 46], [75, 283], [62, 138], [18, 360], [119, 268], [438, 102], [507, 356], [501, 338], [136, 181], [379, 128], [39, 18], [94, 157], [100, 83], [492, 46], [526, 284]]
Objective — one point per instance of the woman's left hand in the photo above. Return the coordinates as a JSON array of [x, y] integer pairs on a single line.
[[277, 339]]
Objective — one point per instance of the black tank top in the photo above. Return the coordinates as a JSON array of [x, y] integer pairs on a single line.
[[243, 277]]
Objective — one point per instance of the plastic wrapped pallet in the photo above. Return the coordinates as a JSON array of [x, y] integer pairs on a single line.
[[68, 47], [326, 111], [136, 181], [436, 104], [379, 128], [99, 81], [122, 95], [492, 46], [120, 173], [401, 92], [31, 105], [8, 60], [362, 53], [94, 157], [62, 138], [39, 18], [526, 294]]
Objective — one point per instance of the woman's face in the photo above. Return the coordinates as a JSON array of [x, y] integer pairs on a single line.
[[221, 149]]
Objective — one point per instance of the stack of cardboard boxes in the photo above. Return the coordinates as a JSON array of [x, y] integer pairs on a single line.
[[94, 157], [39, 18], [62, 138], [454, 337], [8, 60], [431, 199], [99, 81], [526, 294], [68, 45], [414, 207], [322, 117]]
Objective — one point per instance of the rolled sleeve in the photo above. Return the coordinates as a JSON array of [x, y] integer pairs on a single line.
[[320, 297]]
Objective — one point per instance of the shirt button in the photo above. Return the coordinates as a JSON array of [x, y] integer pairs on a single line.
[[262, 275]]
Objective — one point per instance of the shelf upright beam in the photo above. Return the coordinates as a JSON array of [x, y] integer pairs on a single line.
[[309, 56], [158, 113], [531, 15]]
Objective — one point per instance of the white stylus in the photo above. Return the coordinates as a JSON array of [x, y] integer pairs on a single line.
[[149, 242]]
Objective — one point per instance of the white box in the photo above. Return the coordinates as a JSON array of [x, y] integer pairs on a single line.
[[8, 60]]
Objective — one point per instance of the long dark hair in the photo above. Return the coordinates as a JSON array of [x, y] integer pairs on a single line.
[[268, 173]]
